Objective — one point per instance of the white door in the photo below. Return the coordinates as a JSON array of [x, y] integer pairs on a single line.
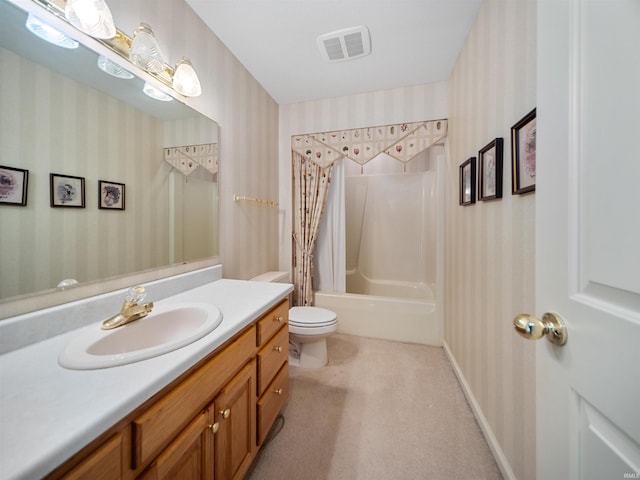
[[588, 238]]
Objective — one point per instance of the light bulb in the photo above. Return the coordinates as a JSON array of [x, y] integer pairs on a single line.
[[156, 93], [113, 68], [93, 17], [145, 51], [48, 33], [185, 79]]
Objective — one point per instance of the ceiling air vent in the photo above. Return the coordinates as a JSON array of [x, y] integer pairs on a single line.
[[346, 44]]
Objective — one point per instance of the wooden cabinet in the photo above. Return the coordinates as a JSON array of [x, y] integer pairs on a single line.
[[273, 368], [209, 423], [189, 455], [235, 444]]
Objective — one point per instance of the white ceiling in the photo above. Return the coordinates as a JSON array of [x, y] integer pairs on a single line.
[[412, 42]]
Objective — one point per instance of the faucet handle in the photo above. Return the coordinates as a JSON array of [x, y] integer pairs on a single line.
[[135, 294]]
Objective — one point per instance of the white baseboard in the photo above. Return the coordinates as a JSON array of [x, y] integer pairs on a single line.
[[498, 454]]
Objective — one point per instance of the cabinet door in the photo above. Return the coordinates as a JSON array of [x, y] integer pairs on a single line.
[[235, 444], [190, 455], [103, 464]]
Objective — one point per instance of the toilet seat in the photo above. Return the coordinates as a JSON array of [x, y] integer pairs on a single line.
[[311, 317]]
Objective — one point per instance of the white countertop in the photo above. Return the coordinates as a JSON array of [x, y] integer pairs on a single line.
[[48, 413]]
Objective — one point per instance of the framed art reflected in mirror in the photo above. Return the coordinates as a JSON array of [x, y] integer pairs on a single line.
[[67, 191], [13, 186]]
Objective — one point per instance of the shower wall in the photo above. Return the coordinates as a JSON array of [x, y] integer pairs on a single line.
[[391, 229]]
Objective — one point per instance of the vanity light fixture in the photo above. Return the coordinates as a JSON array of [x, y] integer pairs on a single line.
[[145, 51], [156, 93], [48, 33], [112, 68], [185, 79], [92, 17]]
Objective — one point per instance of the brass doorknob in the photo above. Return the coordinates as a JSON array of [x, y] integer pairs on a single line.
[[532, 328], [225, 413], [214, 427]]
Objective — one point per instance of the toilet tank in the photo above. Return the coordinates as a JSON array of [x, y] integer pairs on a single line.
[[273, 277]]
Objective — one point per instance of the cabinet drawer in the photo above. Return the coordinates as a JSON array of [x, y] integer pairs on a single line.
[[103, 464], [272, 321], [161, 422], [272, 402], [271, 357]]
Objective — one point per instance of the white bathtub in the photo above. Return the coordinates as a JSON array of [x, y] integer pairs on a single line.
[[397, 319]]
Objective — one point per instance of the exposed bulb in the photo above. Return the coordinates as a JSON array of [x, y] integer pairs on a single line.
[[145, 51], [93, 17], [48, 33], [112, 68], [156, 93], [185, 79]]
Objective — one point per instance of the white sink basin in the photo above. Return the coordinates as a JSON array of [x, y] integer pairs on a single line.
[[166, 328]]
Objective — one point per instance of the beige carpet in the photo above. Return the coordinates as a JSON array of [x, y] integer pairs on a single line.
[[379, 410]]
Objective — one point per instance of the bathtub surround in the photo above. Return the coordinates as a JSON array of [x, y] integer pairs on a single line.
[[400, 419]]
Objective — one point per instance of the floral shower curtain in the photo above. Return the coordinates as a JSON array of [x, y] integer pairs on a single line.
[[311, 184]]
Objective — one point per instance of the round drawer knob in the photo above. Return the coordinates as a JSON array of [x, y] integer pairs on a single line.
[[214, 427], [278, 319], [278, 391], [277, 348], [225, 413]]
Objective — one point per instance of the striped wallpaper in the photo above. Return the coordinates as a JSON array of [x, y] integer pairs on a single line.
[[52, 124], [489, 272], [248, 138]]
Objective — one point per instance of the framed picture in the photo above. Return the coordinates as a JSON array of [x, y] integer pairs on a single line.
[[67, 191], [468, 182], [523, 154], [110, 195], [490, 171], [13, 186]]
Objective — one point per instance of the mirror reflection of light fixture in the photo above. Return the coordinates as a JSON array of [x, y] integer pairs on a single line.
[[145, 51], [113, 68], [155, 93], [185, 79], [48, 33], [92, 17]]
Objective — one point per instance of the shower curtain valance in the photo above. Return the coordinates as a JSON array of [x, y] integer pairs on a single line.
[[189, 157], [401, 141]]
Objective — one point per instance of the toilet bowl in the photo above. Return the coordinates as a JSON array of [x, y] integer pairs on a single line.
[[309, 328]]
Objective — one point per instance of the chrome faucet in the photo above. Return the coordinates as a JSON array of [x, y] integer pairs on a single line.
[[131, 309]]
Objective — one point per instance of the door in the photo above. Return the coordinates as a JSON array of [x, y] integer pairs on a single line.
[[235, 445], [588, 238]]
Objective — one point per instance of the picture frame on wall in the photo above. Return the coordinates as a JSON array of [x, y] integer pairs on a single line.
[[523, 155], [490, 171], [468, 181], [110, 195], [13, 186], [66, 191]]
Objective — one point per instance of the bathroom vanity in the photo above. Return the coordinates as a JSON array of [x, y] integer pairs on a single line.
[[202, 411]]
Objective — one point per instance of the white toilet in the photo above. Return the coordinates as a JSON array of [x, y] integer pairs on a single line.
[[309, 328]]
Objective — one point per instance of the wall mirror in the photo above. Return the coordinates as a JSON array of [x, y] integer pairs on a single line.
[[60, 114]]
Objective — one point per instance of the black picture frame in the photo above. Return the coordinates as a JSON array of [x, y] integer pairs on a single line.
[[66, 191], [523, 155], [490, 171], [14, 183], [467, 185], [111, 195]]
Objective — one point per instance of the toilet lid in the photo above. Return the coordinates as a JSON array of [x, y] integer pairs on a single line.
[[311, 316]]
